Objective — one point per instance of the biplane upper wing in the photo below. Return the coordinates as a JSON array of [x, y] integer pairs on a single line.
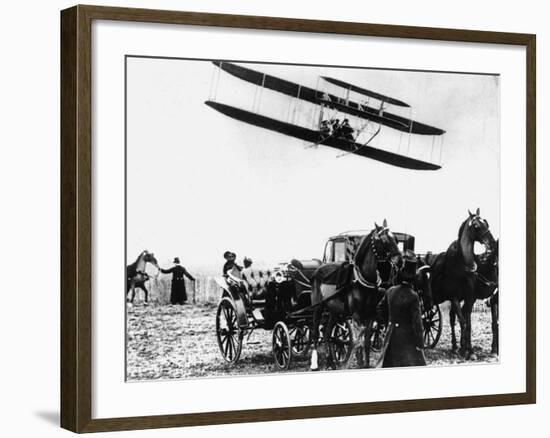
[[365, 92], [318, 97], [313, 137]]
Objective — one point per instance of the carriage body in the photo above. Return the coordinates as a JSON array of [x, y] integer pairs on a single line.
[[277, 299], [342, 247]]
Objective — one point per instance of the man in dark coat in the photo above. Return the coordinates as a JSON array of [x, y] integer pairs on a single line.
[[400, 307], [179, 294]]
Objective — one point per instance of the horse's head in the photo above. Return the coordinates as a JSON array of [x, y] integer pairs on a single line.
[[149, 257], [478, 230], [385, 246]]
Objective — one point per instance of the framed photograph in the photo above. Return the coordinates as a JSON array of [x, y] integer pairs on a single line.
[[268, 219]]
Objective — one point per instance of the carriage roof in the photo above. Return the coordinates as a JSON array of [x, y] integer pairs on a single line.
[[406, 239], [360, 233]]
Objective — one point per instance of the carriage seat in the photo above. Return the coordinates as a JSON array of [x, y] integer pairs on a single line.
[[306, 267], [256, 281]]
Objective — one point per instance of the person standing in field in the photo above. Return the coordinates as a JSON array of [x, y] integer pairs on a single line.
[[178, 293], [400, 308]]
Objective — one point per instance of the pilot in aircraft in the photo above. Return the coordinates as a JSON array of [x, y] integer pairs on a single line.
[[325, 129]]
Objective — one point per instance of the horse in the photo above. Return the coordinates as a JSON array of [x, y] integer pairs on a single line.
[[454, 275], [358, 293], [486, 288], [136, 275]]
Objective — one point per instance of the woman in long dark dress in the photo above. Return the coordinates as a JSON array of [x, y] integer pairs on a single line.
[[178, 294], [400, 307]]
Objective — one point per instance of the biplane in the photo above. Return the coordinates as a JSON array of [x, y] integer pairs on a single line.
[[327, 130]]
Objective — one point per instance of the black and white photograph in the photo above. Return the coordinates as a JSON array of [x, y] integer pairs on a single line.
[[300, 218]]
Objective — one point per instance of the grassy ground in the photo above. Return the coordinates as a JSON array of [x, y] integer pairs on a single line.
[[166, 342]]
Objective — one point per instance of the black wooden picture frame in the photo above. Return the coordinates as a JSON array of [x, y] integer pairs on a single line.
[[76, 217]]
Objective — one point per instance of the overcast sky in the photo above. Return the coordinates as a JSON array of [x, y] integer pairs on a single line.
[[200, 183]]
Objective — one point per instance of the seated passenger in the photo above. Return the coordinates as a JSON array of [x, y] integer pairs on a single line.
[[335, 124], [230, 268], [247, 262], [347, 131]]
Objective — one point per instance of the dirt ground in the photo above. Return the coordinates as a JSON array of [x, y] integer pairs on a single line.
[[167, 342]]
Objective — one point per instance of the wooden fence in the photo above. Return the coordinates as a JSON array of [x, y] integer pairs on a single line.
[[204, 290]]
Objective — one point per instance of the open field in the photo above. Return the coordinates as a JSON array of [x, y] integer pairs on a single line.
[[166, 342]]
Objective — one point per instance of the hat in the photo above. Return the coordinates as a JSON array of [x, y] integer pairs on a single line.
[[176, 260], [229, 255], [408, 270]]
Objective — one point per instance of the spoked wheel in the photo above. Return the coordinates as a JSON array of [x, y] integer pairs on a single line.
[[282, 349], [432, 325], [377, 336], [340, 342], [230, 336], [300, 339]]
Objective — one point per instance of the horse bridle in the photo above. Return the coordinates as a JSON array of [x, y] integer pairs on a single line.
[[386, 259], [389, 254], [487, 231]]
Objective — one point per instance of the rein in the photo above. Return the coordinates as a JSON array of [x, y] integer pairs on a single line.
[[485, 281], [358, 278]]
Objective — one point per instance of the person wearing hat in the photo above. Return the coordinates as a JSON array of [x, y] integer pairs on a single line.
[[178, 293], [247, 262], [347, 131], [400, 307], [230, 264]]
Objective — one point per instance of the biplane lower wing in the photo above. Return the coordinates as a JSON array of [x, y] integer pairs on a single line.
[[313, 137], [318, 97]]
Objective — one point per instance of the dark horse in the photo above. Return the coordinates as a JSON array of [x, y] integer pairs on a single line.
[[136, 275], [358, 294], [454, 275], [486, 288]]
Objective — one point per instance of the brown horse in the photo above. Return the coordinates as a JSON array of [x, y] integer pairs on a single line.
[[454, 275], [136, 275], [356, 293], [486, 288]]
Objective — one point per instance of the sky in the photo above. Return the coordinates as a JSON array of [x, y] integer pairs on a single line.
[[200, 183]]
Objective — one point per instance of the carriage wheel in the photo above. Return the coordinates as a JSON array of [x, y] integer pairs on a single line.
[[377, 336], [340, 342], [432, 325], [300, 339], [282, 350], [230, 336]]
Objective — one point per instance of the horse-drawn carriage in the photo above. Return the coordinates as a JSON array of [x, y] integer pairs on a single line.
[[342, 247], [280, 300]]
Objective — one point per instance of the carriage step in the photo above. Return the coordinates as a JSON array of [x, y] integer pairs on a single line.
[[253, 343]]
